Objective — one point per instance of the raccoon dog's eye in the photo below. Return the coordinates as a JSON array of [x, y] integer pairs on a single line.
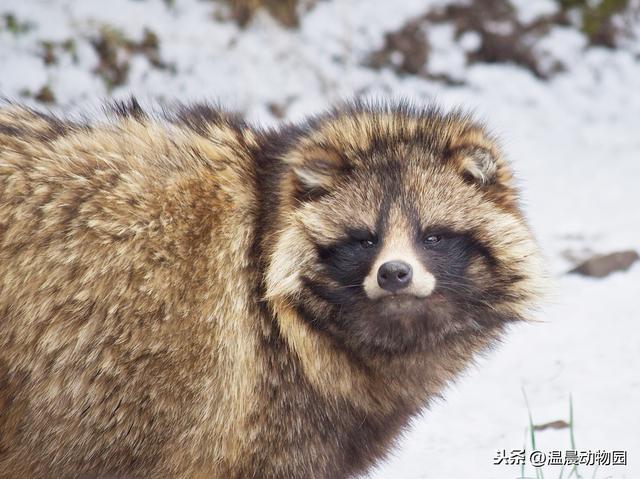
[[367, 243], [432, 239]]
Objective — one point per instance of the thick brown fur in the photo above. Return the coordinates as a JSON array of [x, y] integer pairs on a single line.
[[166, 307]]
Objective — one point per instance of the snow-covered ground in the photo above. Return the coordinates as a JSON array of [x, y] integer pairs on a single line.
[[574, 141]]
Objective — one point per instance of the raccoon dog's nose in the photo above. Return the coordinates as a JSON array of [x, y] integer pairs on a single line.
[[394, 275]]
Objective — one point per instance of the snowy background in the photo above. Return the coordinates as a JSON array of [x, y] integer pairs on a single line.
[[558, 80]]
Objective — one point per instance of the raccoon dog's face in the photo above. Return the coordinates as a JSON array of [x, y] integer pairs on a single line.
[[401, 230]]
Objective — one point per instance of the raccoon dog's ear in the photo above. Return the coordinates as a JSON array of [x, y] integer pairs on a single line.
[[477, 157], [480, 163], [314, 172], [477, 164]]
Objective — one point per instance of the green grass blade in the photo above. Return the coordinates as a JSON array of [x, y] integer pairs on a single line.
[[524, 446], [574, 469], [539, 474]]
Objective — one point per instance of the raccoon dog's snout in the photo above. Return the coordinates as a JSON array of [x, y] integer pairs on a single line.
[[394, 275]]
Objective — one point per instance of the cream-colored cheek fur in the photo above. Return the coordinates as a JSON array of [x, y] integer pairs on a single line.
[[287, 259], [399, 247]]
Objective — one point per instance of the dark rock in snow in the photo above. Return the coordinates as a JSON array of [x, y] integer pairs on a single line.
[[559, 424], [603, 265]]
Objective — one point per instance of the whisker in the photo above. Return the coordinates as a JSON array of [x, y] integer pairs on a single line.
[[347, 286]]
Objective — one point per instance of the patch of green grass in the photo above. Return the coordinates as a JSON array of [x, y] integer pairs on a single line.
[[285, 11], [15, 26], [45, 95], [596, 18], [115, 50], [530, 434], [50, 51]]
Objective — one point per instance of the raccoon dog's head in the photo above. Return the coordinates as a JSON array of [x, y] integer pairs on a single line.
[[400, 229]]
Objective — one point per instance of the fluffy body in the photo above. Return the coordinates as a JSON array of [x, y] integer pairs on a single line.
[[182, 295]]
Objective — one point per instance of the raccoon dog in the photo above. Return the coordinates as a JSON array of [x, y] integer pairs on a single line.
[[183, 295]]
